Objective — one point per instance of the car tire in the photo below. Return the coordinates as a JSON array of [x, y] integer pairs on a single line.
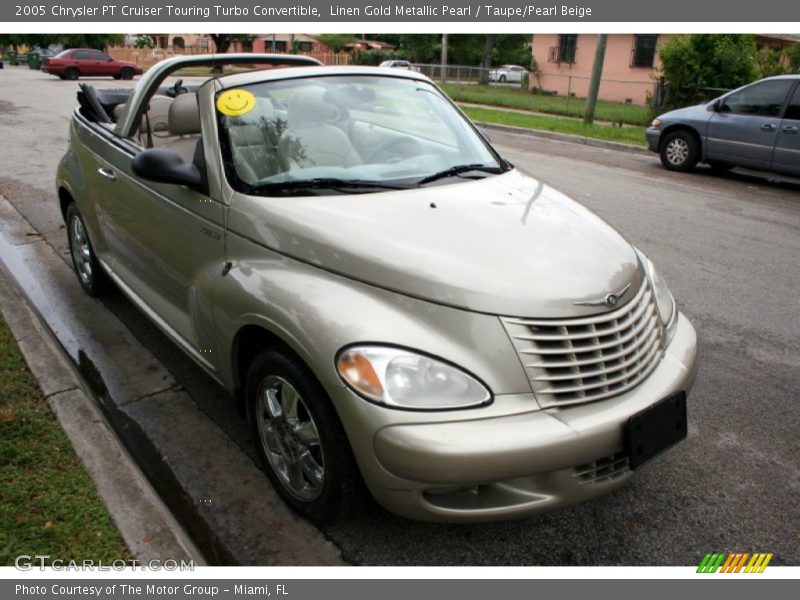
[[679, 151], [92, 277], [126, 73], [72, 74], [300, 439], [502, 79], [720, 166]]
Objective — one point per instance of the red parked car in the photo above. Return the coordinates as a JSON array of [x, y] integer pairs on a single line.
[[85, 62]]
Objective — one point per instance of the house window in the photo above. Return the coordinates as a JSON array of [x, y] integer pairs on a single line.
[[305, 46], [644, 51], [567, 43]]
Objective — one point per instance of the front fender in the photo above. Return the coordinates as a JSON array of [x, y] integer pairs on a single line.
[[316, 313]]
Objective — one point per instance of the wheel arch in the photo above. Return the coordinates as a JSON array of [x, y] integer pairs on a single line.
[[65, 198], [250, 340]]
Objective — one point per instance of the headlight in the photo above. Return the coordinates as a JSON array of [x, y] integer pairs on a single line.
[[403, 379], [656, 123], [665, 302]]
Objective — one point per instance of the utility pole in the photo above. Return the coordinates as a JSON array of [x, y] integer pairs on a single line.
[[594, 84], [444, 57]]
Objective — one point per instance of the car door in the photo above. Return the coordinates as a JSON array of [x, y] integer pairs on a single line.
[[82, 60], [167, 243], [516, 74], [786, 158], [104, 64], [744, 129]]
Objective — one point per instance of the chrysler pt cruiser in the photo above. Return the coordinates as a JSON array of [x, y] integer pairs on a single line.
[[398, 309]]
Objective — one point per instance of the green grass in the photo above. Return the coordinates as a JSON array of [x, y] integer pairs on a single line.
[[556, 105], [626, 135], [48, 504]]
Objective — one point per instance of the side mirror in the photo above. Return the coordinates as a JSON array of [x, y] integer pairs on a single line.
[[717, 106], [166, 166]]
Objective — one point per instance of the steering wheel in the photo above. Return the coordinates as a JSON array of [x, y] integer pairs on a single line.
[[177, 89], [392, 149]]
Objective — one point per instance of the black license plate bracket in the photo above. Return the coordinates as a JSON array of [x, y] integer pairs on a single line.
[[655, 429]]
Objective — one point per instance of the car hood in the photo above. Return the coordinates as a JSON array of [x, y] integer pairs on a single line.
[[505, 244], [700, 112]]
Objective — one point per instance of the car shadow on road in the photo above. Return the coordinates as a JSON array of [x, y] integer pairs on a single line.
[[778, 182]]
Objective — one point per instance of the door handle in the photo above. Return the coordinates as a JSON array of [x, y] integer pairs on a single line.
[[107, 173], [791, 129], [768, 127]]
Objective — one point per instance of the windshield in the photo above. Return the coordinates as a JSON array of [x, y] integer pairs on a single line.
[[354, 133]]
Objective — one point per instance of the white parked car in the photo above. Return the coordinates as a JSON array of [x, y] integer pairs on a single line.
[[503, 73], [399, 64]]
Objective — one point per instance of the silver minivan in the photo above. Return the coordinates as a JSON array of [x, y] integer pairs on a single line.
[[756, 126], [399, 308]]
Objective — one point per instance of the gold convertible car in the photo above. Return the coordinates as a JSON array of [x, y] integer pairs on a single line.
[[400, 310]]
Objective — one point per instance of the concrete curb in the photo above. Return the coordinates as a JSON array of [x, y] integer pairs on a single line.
[[144, 522], [564, 137]]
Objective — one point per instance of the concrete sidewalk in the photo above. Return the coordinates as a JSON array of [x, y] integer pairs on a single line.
[[213, 489]]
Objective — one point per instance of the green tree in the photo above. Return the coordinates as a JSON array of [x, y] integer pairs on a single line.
[[144, 41], [793, 58], [696, 67], [98, 41], [769, 63], [337, 41]]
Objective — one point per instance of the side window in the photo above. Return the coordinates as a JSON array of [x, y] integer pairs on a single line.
[[793, 110], [567, 44], [83, 55], [763, 99], [100, 56], [644, 51]]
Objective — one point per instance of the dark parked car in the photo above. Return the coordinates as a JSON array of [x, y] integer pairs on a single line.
[[84, 62], [756, 126]]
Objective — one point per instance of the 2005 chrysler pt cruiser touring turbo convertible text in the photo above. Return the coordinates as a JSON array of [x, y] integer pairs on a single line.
[[394, 303]]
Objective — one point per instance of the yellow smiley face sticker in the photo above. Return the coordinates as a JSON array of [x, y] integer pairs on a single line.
[[235, 103]]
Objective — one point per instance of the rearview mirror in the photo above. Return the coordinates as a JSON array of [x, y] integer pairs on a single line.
[[166, 166]]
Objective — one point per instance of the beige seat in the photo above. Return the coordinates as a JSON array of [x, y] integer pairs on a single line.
[[312, 138], [184, 126], [254, 142], [158, 116]]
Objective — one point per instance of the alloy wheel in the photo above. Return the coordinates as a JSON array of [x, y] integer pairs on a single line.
[[677, 151], [290, 438], [81, 251]]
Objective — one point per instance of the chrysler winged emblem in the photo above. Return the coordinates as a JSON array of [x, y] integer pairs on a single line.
[[610, 300]]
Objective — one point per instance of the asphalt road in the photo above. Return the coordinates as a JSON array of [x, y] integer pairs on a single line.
[[728, 245]]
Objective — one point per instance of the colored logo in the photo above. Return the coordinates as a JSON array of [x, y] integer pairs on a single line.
[[734, 562]]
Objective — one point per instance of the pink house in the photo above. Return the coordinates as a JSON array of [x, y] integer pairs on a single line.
[[629, 70]]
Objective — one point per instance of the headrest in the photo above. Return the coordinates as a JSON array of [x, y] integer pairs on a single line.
[[309, 105], [184, 115]]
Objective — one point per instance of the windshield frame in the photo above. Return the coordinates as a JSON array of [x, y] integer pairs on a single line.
[[306, 186]]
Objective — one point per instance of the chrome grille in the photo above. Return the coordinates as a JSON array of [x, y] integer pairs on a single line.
[[569, 361], [602, 470]]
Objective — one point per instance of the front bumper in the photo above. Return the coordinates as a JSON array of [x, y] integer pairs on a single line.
[[653, 135], [502, 467]]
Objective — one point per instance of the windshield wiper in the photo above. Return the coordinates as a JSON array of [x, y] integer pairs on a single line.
[[460, 169], [334, 183]]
